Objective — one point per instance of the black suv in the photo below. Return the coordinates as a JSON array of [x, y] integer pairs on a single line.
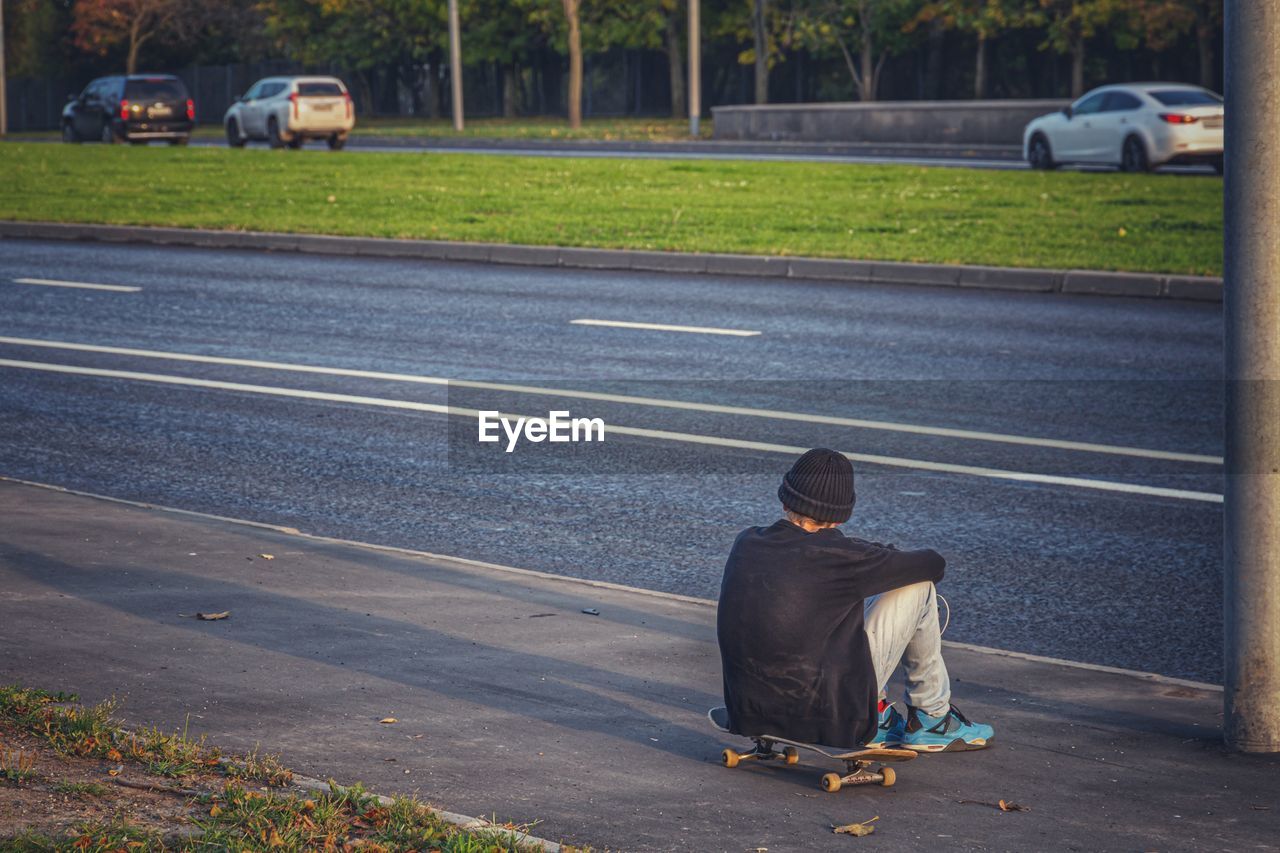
[[133, 107]]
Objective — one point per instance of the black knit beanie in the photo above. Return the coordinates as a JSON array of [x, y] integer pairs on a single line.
[[819, 485]]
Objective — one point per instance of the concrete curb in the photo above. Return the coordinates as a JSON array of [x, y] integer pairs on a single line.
[[1148, 285]]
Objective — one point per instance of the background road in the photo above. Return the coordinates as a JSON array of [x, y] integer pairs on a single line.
[[1123, 569], [990, 157]]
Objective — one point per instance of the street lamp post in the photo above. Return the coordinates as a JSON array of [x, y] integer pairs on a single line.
[[1251, 303], [695, 68], [455, 64], [4, 103]]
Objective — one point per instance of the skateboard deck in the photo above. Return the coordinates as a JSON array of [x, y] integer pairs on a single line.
[[861, 765]]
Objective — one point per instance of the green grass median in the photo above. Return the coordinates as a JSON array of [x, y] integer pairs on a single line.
[[1101, 221]]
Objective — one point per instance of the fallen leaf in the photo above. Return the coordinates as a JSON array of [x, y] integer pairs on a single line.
[[114, 755], [267, 556], [215, 811], [213, 617], [388, 720], [115, 771], [276, 840], [864, 828], [308, 805], [1002, 805]]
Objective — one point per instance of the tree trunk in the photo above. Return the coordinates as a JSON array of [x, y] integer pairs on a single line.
[[509, 90], [1204, 45], [135, 43], [980, 69], [758, 24], [1077, 67], [575, 63], [933, 60], [676, 67], [869, 81]]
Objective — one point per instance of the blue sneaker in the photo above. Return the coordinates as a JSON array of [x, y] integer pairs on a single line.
[[952, 732], [889, 733]]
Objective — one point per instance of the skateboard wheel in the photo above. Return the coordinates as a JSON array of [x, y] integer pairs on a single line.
[[889, 776], [831, 783], [729, 757], [792, 755]]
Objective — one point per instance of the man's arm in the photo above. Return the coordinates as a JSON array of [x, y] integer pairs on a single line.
[[883, 569]]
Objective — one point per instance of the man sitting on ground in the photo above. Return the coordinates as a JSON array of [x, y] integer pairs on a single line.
[[813, 623]]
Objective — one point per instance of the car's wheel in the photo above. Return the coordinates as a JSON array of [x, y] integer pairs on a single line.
[[109, 134], [1133, 156], [69, 132], [273, 133], [234, 139], [1039, 154], [337, 141], [180, 140], [296, 142]]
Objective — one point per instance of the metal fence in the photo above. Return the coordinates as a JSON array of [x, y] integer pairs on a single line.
[[620, 82]]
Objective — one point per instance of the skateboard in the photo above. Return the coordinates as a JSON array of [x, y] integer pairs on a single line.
[[862, 766]]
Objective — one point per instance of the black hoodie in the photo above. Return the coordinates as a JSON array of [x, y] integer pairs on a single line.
[[792, 640]]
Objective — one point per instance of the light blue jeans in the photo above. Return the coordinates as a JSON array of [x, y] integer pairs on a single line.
[[902, 627]]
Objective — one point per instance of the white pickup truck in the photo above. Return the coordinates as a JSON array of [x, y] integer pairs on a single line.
[[291, 110]]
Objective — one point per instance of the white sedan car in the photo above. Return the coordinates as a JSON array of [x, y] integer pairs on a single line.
[[291, 110], [1137, 127]]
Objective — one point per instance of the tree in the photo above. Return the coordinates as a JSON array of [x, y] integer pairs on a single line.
[[573, 21], [643, 24], [760, 47], [1069, 24], [361, 35], [1163, 22], [870, 30], [100, 26], [33, 37], [500, 31], [985, 19]]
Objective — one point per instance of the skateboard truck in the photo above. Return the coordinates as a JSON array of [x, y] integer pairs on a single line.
[[762, 752]]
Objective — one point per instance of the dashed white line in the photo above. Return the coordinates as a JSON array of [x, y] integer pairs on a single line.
[[654, 402], [664, 327], [660, 435], [80, 285]]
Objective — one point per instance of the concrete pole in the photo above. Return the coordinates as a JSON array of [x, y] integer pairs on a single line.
[[4, 102], [1251, 720], [455, 63], [695, 68]]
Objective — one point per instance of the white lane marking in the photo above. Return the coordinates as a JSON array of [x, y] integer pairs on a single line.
[[587, 582], [660, 435], [663, 327], [829, 420], [82, 285]]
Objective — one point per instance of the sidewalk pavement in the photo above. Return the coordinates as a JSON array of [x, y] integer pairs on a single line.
[[512, 701]]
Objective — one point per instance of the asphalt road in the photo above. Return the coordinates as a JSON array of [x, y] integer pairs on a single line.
[[1107, 554], [957, 157], [992, 157]]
